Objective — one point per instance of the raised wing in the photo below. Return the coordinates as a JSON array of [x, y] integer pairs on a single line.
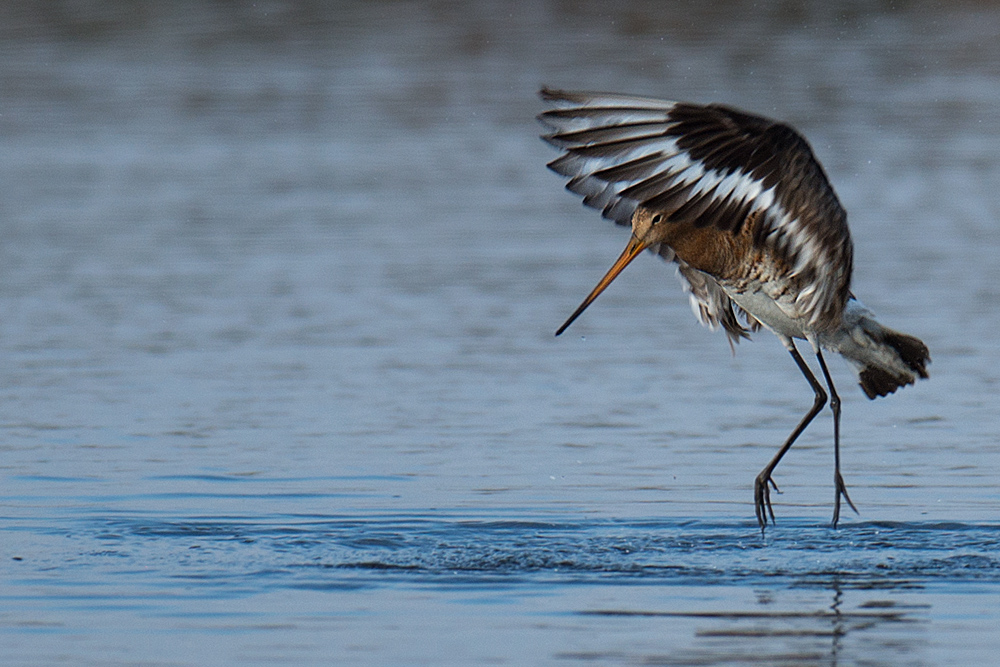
[[707, 166]]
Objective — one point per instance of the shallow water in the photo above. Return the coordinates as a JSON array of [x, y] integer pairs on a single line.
[[277, 293]]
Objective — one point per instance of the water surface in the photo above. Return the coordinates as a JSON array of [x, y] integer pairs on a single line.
[[278, 286]]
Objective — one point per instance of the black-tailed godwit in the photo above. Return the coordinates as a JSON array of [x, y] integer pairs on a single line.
[[745, 210]]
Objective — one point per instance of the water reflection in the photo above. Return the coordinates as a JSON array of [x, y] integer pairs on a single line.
[[804, 637]]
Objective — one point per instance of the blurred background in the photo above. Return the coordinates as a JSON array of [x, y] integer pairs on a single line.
[[269, 261], [332, 220]]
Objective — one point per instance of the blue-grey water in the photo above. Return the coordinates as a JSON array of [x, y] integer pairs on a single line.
[[278, 384]]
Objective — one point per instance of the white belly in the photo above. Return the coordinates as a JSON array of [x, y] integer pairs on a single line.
[[778, 316]]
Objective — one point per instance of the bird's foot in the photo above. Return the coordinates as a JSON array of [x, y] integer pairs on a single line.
[[840, 490], [762, 498]]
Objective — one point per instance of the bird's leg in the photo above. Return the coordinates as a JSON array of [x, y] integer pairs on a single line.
[[840, 489], [761, 492]]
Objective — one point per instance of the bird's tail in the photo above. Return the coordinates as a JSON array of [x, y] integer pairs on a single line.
[[910, 359], [884, 359]]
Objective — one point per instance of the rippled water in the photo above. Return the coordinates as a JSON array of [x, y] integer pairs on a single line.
[[440, 587], [278, 285]]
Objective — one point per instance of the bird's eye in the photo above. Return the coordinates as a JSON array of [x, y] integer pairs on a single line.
[[656, 219]]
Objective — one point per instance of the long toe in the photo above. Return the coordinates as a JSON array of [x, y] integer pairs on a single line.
[[842, 491], [762, 499], [758, 505]]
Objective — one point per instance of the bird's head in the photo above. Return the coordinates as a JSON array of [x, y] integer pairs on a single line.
[[648, 229]]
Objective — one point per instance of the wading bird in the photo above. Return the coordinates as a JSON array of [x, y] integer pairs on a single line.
[[745, 210]]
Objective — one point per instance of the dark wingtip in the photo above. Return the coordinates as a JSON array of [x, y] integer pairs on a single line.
[[911, 350], [557, 95], [548, 94], [876, 382]]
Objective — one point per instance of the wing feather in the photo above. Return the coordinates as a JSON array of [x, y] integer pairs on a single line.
[[707, 165]]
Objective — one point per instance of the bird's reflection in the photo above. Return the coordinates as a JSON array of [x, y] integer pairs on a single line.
[[793, 631]]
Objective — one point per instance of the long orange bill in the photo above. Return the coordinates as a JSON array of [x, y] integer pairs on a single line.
[[632, 250]]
